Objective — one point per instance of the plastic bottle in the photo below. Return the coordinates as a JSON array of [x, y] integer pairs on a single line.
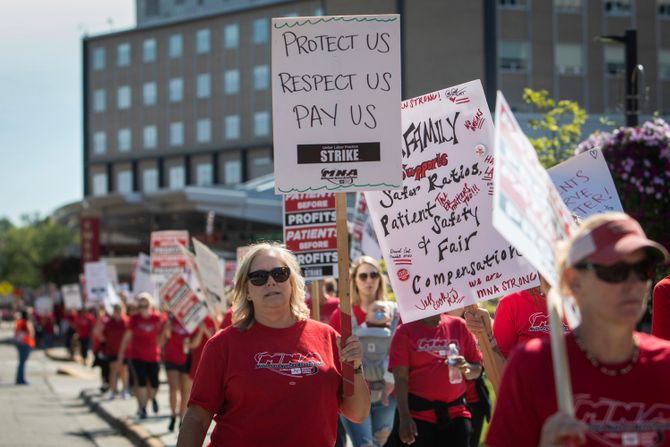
[[455, 375]]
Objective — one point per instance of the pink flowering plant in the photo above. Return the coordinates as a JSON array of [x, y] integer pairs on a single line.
[[639, 160]]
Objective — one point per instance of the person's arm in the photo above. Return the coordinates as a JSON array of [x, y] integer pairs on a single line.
[[479, 323], [357, 406], [98, 331], [31, 328], [561, 429], [127, 336], [194, 427], [407, 426], [197, 338], [165, 334]]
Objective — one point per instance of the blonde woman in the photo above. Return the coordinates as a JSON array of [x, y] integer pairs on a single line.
[[274, 377]]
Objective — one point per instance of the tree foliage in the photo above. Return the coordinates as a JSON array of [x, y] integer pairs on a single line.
[[561, 126]]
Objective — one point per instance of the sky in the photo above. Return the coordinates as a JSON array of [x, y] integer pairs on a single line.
[[40, 98]]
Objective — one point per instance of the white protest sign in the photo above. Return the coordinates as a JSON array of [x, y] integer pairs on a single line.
[[183, 302], [438, 243], [166, 254], [97, 282], [310, 232], [44, 305], [113, 276], [528, 211], [142, 281], [363, 237], [335, 91], [71, 296], [585, 184], [210, 273]]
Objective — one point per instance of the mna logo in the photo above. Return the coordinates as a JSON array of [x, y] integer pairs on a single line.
[[339, 176]]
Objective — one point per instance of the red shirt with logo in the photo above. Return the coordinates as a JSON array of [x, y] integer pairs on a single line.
[[520, 317], [424, 350], [632, 409], [84, 324], [113, 332], [335, 318], [174, 348], [145, 336], [196, 352], [267, 386], [660, 314], [327, 309]]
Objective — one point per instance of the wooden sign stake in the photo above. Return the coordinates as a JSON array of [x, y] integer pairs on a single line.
[[316, 300], [490, 361], [345, 293]]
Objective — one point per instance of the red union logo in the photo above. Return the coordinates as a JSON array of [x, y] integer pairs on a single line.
[[403, 275]]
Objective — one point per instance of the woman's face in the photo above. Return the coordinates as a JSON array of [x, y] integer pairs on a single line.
[[617, 303], [144, 307], [272, 295], [367, 281]]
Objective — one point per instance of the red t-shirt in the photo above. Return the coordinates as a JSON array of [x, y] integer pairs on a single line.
[[424, 350], [660, 313], [331, 305], [196, 352], [626, 410], [145, 336], [520, 316], [336, 323], [84, 324], [227, 318], [174, 348], [278, 387], [113, 332]]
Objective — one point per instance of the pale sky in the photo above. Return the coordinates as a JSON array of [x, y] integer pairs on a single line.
[[40, 98]]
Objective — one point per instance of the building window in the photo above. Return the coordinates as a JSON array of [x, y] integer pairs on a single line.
[[150, 137], [513, 4], [149, 93], [569, 58], [232, 172], [151, 8], [202, 41], [204, 131], [99, 100], [98, 59], [123, 55], [261, 79], [124, 181], [260, 31], [123, 97], [203, 174], [318, 11], [618, 7], [99, 143], [176, 134], [149, 50], [664, 8], [614, 60], [261, 124], [231, 36], [99, 184], [262, 161], [124, 140], [232, 127], [231, 81], [664, 64], [177, 177], [150, 180], [176, 92], [568, 5], [513, 55], [203, 88], [175, 46]]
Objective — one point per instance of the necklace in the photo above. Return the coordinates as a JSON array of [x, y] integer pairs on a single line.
[[604, 369]]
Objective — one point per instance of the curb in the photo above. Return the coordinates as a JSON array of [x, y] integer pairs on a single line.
[[137, 434], [75, 372]]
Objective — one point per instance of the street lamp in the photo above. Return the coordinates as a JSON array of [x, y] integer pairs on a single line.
[[629, 39]]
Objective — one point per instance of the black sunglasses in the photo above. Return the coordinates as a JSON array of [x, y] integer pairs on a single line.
[[260, 277], [644, 270], [364, 276]]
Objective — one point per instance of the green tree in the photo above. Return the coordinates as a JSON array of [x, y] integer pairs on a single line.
[[561, 126], [25, 250]]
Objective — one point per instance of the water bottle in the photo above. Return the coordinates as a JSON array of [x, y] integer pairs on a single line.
[[455, 375]]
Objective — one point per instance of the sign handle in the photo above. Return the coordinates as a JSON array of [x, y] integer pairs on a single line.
[[345, 294], [559, 355], [316, 300], [490, 360]]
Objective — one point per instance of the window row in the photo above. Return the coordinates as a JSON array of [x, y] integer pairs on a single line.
[[610, 7], [260, 30], [203, 128]]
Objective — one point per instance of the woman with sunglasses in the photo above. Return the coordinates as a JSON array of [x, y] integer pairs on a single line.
[[274, 377], [617, 373], [373, 320]]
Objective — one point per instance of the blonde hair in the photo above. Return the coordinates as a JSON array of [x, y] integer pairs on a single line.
[[243, 309], [380, 295]]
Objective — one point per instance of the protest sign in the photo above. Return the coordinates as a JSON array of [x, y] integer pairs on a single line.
[[439, 246], [363, 237], [166, 254], [310, 233], [142, 281], [97, 282], [183, 302], [335, 91], [44, 305], [71, 297], [210, 272], [585, 184]]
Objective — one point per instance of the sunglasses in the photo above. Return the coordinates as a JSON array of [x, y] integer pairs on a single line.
[[143, 306], [643, 270], [364, 276], [260, 277]]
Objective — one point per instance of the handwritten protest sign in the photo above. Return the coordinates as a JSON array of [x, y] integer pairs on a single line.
[[183, 302], [142, 281], [363, 237], [44, 305], [335, 91], [528, 211], [436, 236], [97, 282], [166, 254], [210, 274], [585, 184], [310, 232], [71, 297]]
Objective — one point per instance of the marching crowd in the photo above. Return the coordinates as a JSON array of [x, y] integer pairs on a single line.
[[267, 374]]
